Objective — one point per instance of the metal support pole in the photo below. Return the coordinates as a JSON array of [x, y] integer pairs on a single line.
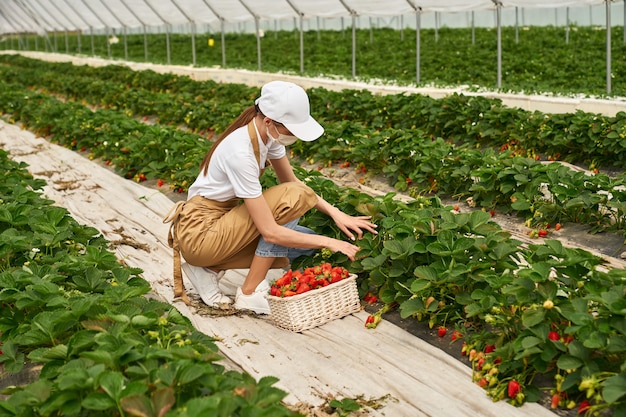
[[499, 22], [223, 43], [167, 32], [567, 25], [93, 45], [258, 42], [418, 29], [104, 3], [608, 46], [222, 22], [106, 27], [145, 43], [516, 25], [473, 30], [353, 45], [301, 14], [258, 32], [193, 30], [145, 36]]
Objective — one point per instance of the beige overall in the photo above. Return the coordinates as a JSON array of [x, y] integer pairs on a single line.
[[222, 235]]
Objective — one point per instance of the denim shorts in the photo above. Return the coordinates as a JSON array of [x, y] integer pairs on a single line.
[[268, 250]]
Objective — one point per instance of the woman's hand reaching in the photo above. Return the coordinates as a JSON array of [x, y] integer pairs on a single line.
[[354, 225]]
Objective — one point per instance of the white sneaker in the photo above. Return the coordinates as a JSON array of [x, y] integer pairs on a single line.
[[255, 301], [205, 282]]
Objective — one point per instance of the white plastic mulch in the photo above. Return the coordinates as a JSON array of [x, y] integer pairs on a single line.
[[399, 372]]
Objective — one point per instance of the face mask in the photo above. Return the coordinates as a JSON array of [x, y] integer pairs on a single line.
[[284, 140]]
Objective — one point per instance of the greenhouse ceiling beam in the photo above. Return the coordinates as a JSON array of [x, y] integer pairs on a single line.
[[23, 9], [104, 3], [222, 20], [193, 31], [36, 18], [143, 25], [301, 15], [65, 28], [59, 24], [258, 34], [167, 30], [353, 13], [106, 27], [18, 23], [9, 22]]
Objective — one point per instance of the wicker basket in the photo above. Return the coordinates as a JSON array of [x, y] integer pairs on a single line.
[[316, 307]]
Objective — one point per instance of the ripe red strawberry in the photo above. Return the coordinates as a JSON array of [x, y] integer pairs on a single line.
[[554, 336], [441, 331], [513, 388], [583, 407], [542, 233], [160, 183], [489, 348], [557, 227], [456, 335], [483, 382], [370, 298], [492, 212], [556, 399], [372, 321], [303, 287]]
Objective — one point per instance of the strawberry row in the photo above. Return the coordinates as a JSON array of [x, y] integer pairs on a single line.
[[586, 138], [105, 349], [540, 193]]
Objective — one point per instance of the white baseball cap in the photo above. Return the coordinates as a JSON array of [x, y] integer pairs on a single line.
[[288, 104]]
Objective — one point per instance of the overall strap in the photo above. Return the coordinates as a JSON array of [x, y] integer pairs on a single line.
[[255, 144], [172, 242]]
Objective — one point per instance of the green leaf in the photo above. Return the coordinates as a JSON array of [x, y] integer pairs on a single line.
[[426, 273], [531, 318], [411, 307], [98, 401], [614, 388], [112, 383], [530, 341], [567, 362]]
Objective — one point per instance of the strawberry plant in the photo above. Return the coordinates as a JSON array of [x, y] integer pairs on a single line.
[[105, 348]]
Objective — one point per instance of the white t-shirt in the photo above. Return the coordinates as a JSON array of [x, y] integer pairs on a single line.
[[233, 169]]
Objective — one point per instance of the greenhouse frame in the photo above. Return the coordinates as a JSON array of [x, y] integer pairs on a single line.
[[115, 16]]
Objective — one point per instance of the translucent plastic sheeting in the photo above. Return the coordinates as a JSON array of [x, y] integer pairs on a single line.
[[20, 16]]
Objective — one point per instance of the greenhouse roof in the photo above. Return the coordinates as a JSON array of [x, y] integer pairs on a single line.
[[19, 16]]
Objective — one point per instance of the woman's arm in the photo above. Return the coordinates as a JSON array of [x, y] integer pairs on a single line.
[[347, 224], [274, 233]]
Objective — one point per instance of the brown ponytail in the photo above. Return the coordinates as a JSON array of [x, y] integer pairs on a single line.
[[244, 118]]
